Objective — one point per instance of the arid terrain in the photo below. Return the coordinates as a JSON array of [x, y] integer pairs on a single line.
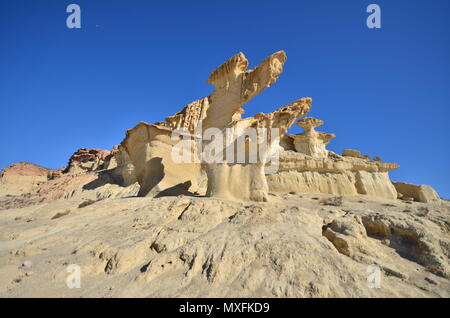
[[292, 246]]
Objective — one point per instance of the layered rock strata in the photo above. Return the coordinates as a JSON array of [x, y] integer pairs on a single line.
[[420, 193], [150, 145], [306, 166]]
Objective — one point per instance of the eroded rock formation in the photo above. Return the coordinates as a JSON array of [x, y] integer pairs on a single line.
[[150, 145], [295, 245], [312, 142], [85, 159], [246, 180], [420, 193], [90, 174], [119, 160], [304, 165], [209, 247]]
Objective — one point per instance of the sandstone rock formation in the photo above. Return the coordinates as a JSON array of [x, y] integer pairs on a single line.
[[91, 174], [306, 166], [235, 86], [419, 242], [284, 163], [119, 160], [355, 154], [334, 175], [420, 193], [149, 147], [246, 180], [22, 177], [85, 159], [317, 220], [209, 247], [312, 142]]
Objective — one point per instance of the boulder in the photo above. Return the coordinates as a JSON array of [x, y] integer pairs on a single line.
[[22, 177], [420, 193]]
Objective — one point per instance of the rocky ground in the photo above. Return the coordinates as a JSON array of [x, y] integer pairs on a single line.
[[293, 246]]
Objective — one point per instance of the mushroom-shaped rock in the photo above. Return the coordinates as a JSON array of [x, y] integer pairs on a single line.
[[309, 123], [312, 142]]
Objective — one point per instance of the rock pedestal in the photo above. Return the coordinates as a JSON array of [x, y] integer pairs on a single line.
[[311, 142]]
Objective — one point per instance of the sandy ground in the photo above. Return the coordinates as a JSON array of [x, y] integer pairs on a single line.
[[294, 246]]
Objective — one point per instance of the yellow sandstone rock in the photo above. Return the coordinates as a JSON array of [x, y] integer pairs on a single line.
[[150, 145], [303, 164], [421, 193]]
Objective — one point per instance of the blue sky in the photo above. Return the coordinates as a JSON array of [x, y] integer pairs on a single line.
[[383, 91]]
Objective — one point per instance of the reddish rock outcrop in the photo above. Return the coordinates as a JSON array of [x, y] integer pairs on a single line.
[[85, 159], [22, 177]]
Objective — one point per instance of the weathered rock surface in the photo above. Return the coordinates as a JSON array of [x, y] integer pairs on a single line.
[[207, 247], [246, 181], [22, 177], [149, 147], [296, 239], [91, 185], [420, 193], [24, 184], [355, 154], [306, 166], [120, 161], [311, 142]]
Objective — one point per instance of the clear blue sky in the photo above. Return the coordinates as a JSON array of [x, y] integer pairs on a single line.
[[385, 92]]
